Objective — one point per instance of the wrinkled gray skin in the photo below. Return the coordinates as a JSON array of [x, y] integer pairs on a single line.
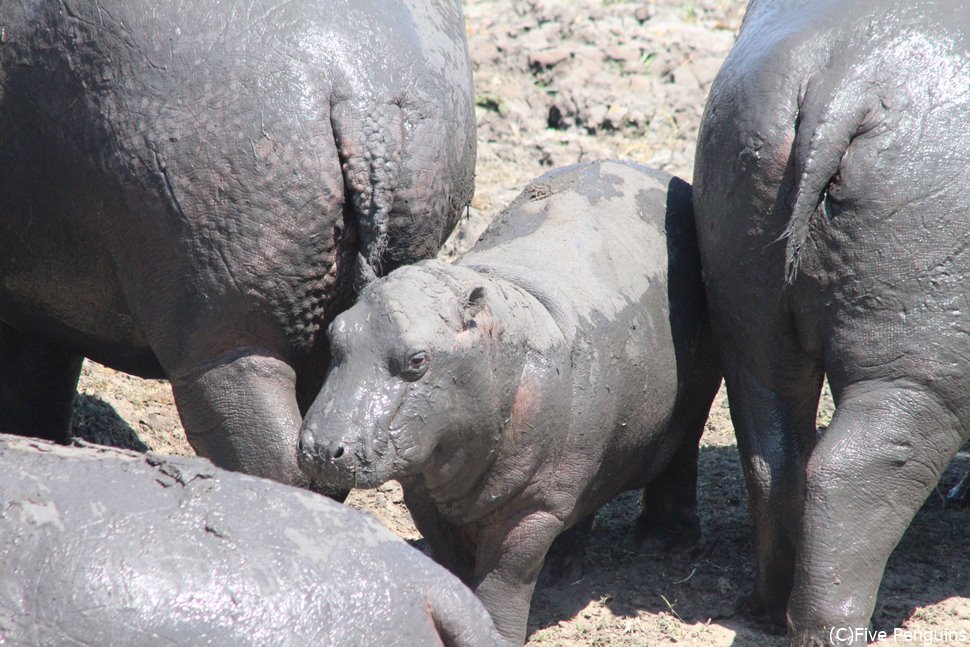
[[562, 360], [833, 213], [104, 547], [192, 190]]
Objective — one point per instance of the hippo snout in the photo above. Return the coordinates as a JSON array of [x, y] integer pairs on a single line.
[[323, 450], [336, 462], [319, 454]]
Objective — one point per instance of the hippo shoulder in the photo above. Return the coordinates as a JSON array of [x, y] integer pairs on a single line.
[[593, 233]]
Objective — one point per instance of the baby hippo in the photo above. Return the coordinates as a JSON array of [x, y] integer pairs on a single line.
[[104, 547], [564, 359]]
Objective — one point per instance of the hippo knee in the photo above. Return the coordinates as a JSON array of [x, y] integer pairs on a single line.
[[257, 386]]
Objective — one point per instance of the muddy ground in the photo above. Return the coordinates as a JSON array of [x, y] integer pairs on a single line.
[[561, 82]]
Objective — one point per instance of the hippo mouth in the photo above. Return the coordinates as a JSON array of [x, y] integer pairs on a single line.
[[342, 471]]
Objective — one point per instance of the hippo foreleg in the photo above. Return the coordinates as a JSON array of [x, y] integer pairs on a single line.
[[38, 381], [448, 547], [507, 566], [240, 411]]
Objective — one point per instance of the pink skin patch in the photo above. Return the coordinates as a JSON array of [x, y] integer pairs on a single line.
[[525, 410], [483, 325], [775, 169], [779, 161]]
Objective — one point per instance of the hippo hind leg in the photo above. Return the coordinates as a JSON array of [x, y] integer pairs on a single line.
[[775, 428], [38, 381], [878, 461], [668, 507], [240, 411], [668, 504]]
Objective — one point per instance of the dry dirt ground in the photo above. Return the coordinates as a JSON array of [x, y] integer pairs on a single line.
[[561, 82]]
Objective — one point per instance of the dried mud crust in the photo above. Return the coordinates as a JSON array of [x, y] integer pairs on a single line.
[[576, 80]]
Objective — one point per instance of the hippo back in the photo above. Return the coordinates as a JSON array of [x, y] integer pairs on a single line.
[[604, 221], [114, 548], [592, 240], [609, 249]]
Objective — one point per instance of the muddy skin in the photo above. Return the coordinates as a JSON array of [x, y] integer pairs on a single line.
[[193, 191], [564, 359], [106, 547], [832, 210]]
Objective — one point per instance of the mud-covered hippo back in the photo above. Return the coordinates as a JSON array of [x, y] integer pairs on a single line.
[[782, 42], [593, 233], [113, 548]]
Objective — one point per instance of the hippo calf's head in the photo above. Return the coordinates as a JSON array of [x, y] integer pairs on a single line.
[[412, 385]]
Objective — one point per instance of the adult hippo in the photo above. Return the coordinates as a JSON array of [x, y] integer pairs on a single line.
[[104, 547], [833, 212], [192, 190], [564, 359]]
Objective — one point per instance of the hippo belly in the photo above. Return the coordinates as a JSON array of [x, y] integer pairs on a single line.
[[59, 279]]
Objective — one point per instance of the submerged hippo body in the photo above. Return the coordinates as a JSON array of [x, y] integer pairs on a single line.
[[104, 547], [193, 189], [562, 360], [832, 201]]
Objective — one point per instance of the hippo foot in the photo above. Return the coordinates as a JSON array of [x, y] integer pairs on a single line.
[[566, 559], [815, 638], [563, 567], [683, 538], [770, 614], [831, 636]]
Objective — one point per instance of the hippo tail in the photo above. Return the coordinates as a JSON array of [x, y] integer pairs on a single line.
[[370, 143], [827, 121]]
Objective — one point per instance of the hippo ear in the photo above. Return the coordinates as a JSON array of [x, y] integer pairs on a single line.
[[474, 302]]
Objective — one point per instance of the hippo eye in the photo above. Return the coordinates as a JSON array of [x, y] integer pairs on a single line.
[[416, 365]]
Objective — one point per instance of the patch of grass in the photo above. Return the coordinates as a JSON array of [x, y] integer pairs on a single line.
[[670, 626], [690, 11], [491, 102]]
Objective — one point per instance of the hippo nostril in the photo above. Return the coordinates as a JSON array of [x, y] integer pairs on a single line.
[[306, 441], [335, 450]]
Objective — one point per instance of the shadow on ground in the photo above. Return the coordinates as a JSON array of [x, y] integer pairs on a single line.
[[698, 592], [96, 421]]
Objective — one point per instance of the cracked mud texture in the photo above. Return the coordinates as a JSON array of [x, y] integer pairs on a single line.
[[559, 82]]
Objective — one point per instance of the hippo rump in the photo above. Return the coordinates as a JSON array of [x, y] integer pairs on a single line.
[[104, 547], [191, 190], [833, 212], [564, 359]]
